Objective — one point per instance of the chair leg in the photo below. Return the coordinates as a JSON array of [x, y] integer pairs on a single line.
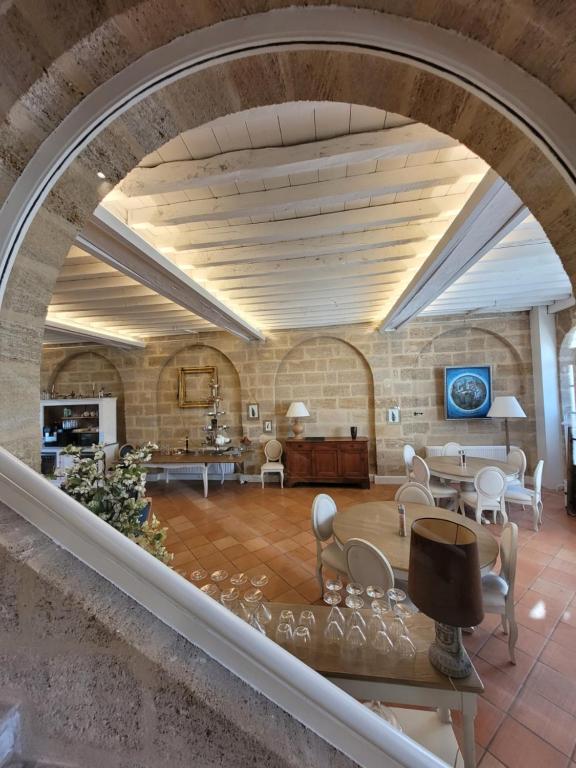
[[479, 515], [281, 479], [262, 478], [504, 622], [512, 638], [503, 512], [319, 576]]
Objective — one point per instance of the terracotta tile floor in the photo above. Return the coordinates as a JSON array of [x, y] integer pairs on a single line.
[[527, 716]]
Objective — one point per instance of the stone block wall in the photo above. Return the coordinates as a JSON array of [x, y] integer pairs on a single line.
[[102, 682], [347, 375]]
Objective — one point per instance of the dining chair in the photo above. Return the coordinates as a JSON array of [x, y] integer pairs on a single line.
[[487, 496], [367, 565], [438, 490], [451, 449], [323, 513], [409, 454], [273, 452], [414, 493], [517, 459], [529, 496], [498, 589]]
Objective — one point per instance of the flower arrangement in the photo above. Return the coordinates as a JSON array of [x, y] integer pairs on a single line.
[[117, 495]]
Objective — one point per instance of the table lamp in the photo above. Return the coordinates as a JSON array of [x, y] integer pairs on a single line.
[[444, 583], [296, 412], [506, 407]]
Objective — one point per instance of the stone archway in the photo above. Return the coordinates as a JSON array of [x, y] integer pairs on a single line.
[[339, 73], [335, 381], [83, 371]]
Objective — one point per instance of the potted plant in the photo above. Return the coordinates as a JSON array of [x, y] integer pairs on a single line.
[[117, 495]]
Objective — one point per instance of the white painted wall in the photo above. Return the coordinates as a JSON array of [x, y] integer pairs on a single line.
[[547, 396]]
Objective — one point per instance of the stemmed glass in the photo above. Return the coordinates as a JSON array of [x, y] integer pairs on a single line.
[[198, 575], [211, 590], [382, 643], [396, 596], [380, 603], [337, 616], [333, 633], [230, 598], [353, 599], [302, 641], [332, 594], [218, 576], [251, 600], [238, 579], [259, 580], [355, 638]]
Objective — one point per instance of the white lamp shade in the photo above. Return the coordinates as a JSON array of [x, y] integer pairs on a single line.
[[506, 407], [296, 410]]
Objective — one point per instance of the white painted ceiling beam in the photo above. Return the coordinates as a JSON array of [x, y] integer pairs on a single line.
[[382, 260], [323, 193], [266, 163], [358, 219], [314, 276], [491, 212], [107, 238], [87, 332], [131, 292], [313, 246]]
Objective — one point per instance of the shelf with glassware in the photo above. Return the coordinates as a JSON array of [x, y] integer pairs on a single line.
[[75, 421]]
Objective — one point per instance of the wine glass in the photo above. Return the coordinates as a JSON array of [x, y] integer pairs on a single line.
[[211, 590], [230, 598], [382, 643], [251, 600], [284, 634], [404, 647], [287, 617], [337, 616], [355, 638], [302, 641], [238, 579], [307, 619], [263, 614], [198, 575], [396, 596], [259, 580], [397, 628], [219, 575], [355, 619], [375, 624], [333, 634], [333, 588]]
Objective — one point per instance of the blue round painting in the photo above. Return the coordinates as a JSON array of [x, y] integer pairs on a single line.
[[468, 392]]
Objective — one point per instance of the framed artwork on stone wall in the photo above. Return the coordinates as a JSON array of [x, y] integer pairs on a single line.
[[267, 426], [467, 391], [253, 411], [194, 386]]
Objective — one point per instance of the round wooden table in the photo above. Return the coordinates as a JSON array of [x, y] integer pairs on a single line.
[[377, 522], [448, 468]]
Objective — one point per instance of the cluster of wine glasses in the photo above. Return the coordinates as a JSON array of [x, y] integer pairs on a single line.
[[240, 593], [384, 630]]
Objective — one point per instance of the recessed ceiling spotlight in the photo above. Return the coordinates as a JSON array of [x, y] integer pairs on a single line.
[[100, 175]]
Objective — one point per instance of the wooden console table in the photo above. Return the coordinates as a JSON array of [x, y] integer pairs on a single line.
[[193, 461], [332, 460]]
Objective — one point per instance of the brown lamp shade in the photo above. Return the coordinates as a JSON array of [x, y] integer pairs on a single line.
[[444, 575]]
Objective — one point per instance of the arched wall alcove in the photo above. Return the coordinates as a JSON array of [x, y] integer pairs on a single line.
[[173, 423], [472, 345], [405, 84], [85, 372], [335, 382], [566, 339]]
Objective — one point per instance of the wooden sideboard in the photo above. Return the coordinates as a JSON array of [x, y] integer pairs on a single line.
[[333, 460]]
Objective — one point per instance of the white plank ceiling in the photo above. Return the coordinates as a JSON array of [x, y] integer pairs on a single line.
[[300, 215]]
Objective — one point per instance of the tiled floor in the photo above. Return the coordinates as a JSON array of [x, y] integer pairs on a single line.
[[527, 716]]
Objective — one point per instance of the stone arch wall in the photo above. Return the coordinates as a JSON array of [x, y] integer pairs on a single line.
[[471, 345], [80, 370], [174, 423], [333, 378], [80, 47], [566, 340]]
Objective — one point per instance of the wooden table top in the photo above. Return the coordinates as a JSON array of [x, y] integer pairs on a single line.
[[194, 458], [377, 522], [366, 664], [449, 467]]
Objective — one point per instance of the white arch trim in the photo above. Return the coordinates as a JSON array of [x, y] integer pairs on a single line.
[[524, 100]]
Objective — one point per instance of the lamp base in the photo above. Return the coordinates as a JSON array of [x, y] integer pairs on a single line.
[[297, 429], [448, 654]]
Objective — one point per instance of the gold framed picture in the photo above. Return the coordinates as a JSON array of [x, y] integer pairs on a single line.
[[194, 386]]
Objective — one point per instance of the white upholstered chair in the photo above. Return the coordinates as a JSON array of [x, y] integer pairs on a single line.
[[367, 565], [273, 453], [498, 589], [451, 449], [414, 493], [487, 496], [409, 454], [531, 497], [517, 459], [438, 490], [332, 555]]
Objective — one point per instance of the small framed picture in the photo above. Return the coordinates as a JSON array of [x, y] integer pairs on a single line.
[[393, 415], [253, 411], [267, 426]]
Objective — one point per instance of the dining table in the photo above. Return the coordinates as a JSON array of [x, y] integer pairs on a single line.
[[449, 468], [377, 523]]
